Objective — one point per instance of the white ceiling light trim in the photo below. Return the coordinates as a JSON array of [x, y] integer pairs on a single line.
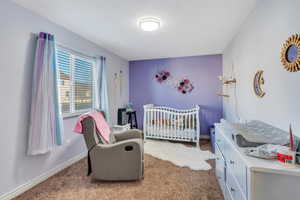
[[149, 23]]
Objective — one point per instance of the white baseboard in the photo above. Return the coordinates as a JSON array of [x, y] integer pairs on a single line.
[[30, 184], [204, 137]]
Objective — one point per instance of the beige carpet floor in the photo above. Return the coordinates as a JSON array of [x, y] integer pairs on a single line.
[[163, 180]]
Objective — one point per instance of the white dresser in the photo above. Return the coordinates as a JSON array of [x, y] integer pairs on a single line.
[[246, 178]]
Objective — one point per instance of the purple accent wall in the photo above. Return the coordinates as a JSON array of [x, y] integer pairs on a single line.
[[201, 70]]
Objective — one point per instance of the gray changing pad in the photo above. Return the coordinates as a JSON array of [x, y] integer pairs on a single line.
[[255, 133]]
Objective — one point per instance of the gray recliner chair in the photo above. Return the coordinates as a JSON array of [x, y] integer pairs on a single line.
[[120, 160]]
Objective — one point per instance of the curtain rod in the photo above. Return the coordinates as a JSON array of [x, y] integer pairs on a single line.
[[75, 51]]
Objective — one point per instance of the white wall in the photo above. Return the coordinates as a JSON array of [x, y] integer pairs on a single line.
[[17, 42], [258, 46]]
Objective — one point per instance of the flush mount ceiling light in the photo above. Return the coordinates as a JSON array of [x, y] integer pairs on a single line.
[[149, 23]]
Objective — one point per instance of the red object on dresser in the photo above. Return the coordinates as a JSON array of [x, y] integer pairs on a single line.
[[284, 158]]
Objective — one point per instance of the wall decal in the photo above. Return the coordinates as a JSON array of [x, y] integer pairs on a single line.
[[290, 53], [257, 82], [182, 85], [162, 76]]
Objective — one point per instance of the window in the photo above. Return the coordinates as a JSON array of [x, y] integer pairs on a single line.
[[76, 88]]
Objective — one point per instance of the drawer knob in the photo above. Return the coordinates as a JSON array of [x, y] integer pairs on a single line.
[[231, 162], [232, 189]]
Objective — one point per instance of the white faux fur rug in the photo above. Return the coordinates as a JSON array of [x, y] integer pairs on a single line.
[[179, 154]]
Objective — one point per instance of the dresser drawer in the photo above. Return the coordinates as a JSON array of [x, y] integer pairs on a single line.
[[233, 187], [222, 143], [220, 169], [219, 140], [238, 169], [227, 195]]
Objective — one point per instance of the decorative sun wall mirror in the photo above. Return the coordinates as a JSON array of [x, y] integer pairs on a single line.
[[257, 82], [290, 53]]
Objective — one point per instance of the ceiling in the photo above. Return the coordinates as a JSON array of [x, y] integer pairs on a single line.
[[190, 27]]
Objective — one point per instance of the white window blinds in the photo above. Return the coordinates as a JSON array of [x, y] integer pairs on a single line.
[[76, 84]]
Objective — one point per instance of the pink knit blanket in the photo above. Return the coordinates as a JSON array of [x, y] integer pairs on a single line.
[[101, 124]]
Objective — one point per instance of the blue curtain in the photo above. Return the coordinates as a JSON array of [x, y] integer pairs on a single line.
[[103, 88], [45, 129]]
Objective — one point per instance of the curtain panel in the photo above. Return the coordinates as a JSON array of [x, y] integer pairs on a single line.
[[45, 129], [103, 88]]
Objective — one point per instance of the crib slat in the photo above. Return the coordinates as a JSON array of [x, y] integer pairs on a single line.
[[159, 123], [148, 124], [164, 123], [180, 125], [144, 123], [193, 127], [184, 126], [160, 126], [146, 132], [177, 125], [152, 124], [198, 125], [169, 125], [190, 125], [176, 128], [190, 121], [173, 133], [155, 122], [187, 126]]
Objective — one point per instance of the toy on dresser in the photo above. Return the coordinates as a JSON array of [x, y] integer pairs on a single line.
[[287, 154], [266, 151]]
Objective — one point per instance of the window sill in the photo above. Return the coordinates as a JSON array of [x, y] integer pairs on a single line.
[[73, 115]]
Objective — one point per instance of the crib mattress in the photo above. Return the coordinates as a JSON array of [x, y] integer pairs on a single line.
[[185, 133]]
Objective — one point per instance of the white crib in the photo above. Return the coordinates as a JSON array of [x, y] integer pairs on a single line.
[[171, 124]]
